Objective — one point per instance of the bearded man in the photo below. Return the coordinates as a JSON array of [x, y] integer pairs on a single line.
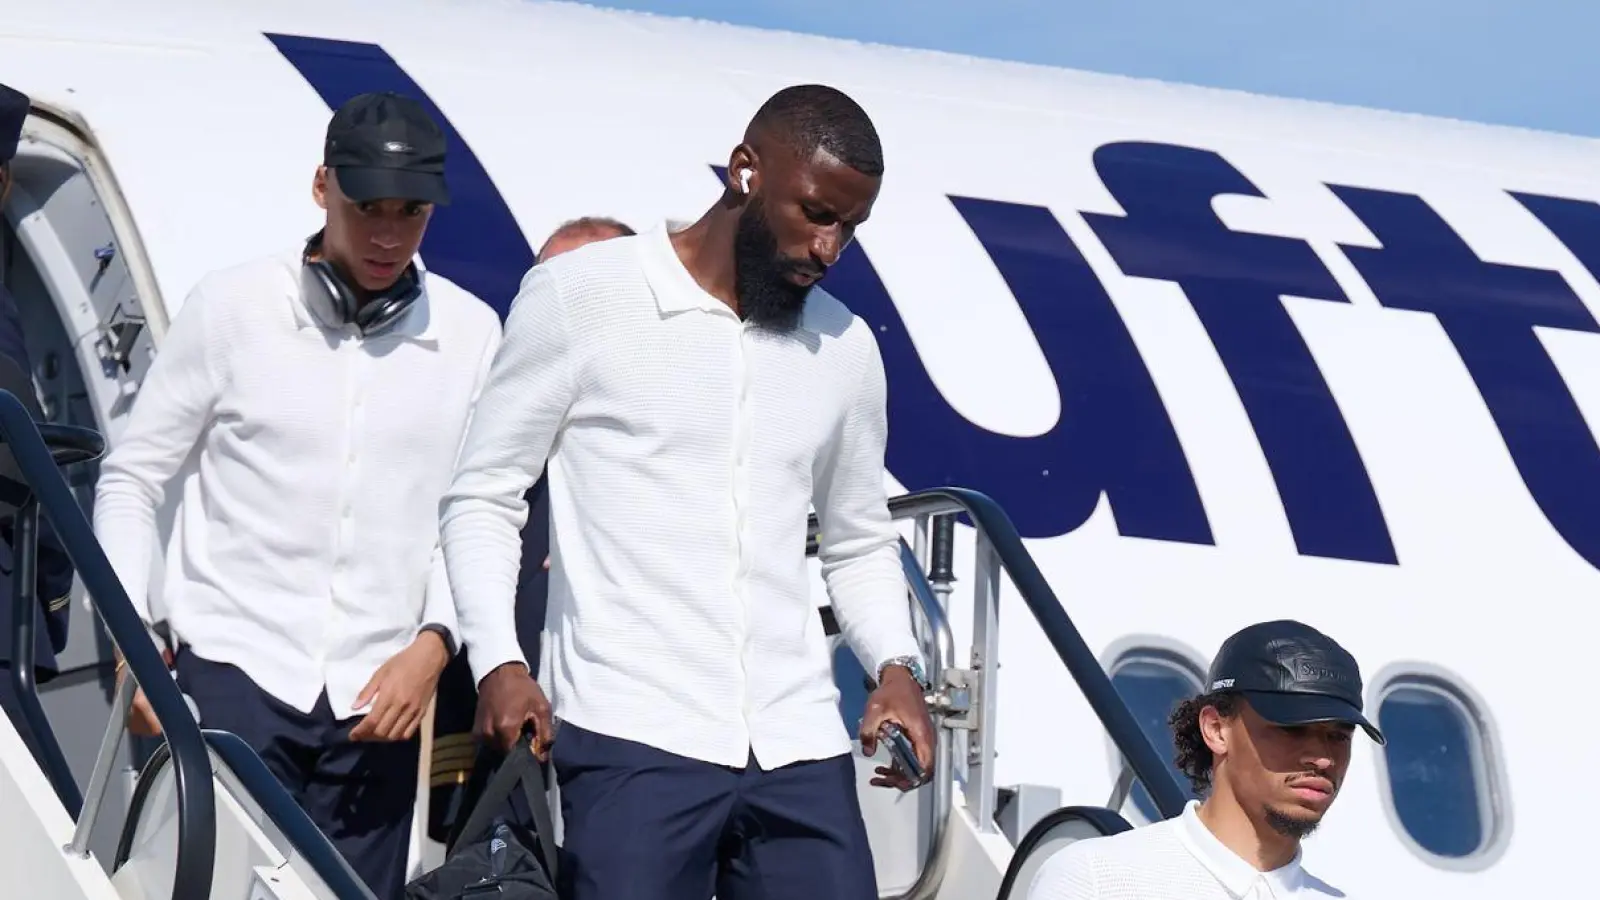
[[694, 394]]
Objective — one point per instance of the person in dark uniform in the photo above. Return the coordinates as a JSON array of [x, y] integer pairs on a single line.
[[55, 573], [460, 768]]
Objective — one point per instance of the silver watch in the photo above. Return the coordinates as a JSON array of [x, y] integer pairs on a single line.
[[912, 664]]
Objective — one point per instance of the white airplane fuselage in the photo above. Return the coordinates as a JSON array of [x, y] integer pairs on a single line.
[[1222, 358]]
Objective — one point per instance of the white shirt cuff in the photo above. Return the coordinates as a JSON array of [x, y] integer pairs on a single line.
[[486, 656]]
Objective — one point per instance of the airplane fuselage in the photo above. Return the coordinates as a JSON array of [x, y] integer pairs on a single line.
[[1221, 358]]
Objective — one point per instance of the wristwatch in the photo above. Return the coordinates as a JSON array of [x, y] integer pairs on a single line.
[[911, 664], [444, 635]]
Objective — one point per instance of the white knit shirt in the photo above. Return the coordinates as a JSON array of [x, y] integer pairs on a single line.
[[685, 450], [305, 549], [1175, 859]]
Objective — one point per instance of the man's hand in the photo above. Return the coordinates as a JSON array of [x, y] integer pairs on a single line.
[[509, 698], [141, 718], [400, 690], [898, 699]]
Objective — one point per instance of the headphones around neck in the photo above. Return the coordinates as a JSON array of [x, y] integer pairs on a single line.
[[379, 313]]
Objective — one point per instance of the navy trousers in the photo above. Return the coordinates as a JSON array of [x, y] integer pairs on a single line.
[[644, 824], [360, 794]]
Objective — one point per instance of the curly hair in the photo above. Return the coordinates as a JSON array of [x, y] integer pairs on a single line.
[[1194, 758]]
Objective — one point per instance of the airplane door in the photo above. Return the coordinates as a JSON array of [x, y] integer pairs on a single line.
[[82, 309]]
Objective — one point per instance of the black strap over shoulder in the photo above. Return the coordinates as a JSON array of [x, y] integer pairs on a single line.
[[520, 767]]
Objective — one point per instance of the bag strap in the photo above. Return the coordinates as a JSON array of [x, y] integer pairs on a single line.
[[520, 767], [539, 802]]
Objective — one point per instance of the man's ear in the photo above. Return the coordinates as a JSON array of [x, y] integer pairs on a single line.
[[319, 187], [741, 171], [1215, 731]]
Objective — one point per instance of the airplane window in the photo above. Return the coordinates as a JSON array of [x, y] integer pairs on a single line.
[[1152, 682], [1438, 765]]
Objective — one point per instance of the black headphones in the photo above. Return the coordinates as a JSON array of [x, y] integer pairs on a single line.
[[378, 314]]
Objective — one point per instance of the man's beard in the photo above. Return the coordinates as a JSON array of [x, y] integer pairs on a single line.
[[766, 298], [1290, 826]]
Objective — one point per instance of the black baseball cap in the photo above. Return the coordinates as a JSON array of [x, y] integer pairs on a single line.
[[385, 146], [13, 112], [1292, 674]]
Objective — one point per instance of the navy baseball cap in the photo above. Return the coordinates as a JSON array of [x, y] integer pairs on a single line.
[[1292, 674], [13, 112], [385, 146]]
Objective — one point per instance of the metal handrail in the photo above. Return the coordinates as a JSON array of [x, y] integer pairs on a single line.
[[1104, 821], [24, 622], [104, 761], [197, 829], [943, 652], [280, 809], [999, 538], [942, 655]]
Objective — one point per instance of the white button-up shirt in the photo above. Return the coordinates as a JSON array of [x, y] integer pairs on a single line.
[[1176, 858], [685, 451], [305, 545]]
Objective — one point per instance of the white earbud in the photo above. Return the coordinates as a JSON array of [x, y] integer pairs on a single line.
[[744, 181]]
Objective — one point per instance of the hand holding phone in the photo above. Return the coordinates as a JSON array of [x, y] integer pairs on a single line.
[[903, 754]]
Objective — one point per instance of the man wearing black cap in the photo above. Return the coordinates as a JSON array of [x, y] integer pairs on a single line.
[[54, 568], [1267, 745], [327, 388]]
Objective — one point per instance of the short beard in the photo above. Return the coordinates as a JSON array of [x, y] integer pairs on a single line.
[[1288, 826], [766, 299]]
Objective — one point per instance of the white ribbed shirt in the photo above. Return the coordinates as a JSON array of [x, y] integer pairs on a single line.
[[305, 545], [685, 450], [1176, 858]]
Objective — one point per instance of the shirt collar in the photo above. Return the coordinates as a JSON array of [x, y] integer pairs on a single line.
[[676, 290], [313, 308], [1235, 874]]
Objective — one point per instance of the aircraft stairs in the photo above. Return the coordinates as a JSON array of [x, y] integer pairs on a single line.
[[206, 819]]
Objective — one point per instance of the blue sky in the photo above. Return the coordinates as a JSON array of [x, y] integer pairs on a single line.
[[1512, 62]]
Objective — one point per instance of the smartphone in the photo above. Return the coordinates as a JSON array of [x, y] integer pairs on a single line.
[[903, 754]]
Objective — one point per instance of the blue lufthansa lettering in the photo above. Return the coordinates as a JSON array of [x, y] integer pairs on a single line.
[[1489, 311], [1236, 281], [1117, 439]]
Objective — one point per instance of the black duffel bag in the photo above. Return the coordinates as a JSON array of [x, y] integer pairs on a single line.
[[493, 854]]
